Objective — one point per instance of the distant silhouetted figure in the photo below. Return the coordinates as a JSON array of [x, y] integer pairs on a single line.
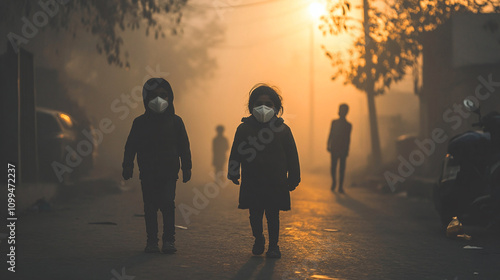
[[338, 145], [159, 139], [265, 149], [219, 148]]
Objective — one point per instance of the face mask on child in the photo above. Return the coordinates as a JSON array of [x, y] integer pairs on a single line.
[[263, 113], [158, 105]]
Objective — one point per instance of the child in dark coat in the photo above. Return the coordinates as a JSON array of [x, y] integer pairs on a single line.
[[159, 139], [265, 150]]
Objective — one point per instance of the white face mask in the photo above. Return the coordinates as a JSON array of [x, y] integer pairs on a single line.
[[158, 105], [263, 113]]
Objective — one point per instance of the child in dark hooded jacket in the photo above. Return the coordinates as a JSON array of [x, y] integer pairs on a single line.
[[265, 149], [159, 139]]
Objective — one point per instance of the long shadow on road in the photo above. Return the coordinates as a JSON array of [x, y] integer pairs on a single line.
[[354, 205], [253, 269]]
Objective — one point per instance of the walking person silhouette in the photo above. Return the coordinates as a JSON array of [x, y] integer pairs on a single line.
[[219, 149], [338, 146]]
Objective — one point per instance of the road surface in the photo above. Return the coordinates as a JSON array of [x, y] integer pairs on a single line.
[[358, 235]]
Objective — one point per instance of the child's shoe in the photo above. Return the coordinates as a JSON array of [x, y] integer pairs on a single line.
[[258, 245], [273, 252], [151, 248], [168, 247]]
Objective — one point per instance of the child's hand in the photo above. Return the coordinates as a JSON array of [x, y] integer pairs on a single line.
[[186, 175], [292, 184], [235, 181], [127, 173], [234, 178]]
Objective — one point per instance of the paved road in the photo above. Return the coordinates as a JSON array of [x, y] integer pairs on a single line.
[[358, 235]]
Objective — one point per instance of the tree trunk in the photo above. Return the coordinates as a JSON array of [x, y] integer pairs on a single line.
[[376, 157]]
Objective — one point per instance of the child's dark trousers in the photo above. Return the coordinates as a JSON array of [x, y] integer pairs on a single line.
[[157, 195], [273, 223]]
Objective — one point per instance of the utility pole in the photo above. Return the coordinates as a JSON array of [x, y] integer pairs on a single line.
[[311, 95], [376, 156]]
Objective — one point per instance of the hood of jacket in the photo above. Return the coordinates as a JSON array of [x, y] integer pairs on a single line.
[[153, 84]]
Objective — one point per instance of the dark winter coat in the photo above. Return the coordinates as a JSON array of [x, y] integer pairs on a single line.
[[269, 163], [340, 137], [159, 140]]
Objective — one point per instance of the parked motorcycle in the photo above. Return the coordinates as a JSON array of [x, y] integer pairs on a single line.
[[469, 185]]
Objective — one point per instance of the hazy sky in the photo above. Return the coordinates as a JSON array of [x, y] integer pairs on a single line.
[[227, 47], [271, 43]]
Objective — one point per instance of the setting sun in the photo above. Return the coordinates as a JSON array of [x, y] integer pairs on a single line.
[[317, 9]]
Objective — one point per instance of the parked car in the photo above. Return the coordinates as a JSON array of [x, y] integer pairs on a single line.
[[58, 138]]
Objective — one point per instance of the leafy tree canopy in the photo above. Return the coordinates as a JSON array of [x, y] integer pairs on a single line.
[[394, 39], [103, 19]]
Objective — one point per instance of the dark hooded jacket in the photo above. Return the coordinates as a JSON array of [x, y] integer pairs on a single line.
[[159, 140], [269, 163]]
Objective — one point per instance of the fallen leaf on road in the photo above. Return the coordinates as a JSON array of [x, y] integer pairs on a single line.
[[473, 247], [454, 228], [181, 227], [464, 236], [331, 230]]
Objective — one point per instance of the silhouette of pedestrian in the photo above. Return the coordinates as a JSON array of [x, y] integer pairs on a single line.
[[159, 139], [338, 145], [265, 149], [219, 149]]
